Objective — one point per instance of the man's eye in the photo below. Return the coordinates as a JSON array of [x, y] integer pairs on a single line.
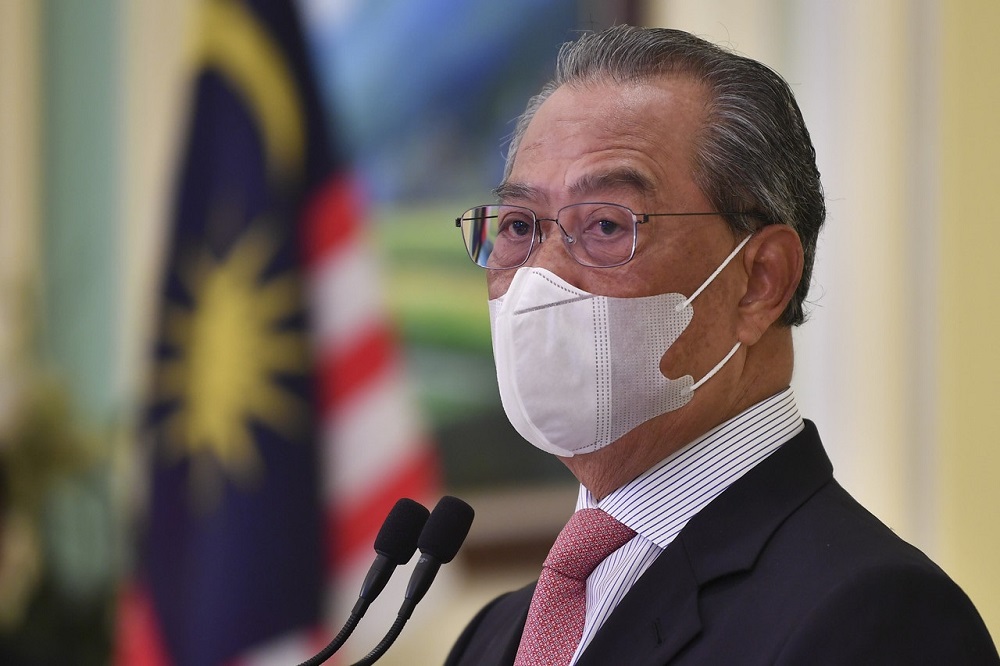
[[521, 227], [515, 227], [608, 227]]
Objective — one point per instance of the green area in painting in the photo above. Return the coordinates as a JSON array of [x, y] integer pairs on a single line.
[[436, 294]]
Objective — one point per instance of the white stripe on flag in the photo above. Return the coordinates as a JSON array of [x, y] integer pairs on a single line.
[[369, 436]]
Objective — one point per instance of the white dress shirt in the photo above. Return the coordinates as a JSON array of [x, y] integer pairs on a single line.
[[660, 502]]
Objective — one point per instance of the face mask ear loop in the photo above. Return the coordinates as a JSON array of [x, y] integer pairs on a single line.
[[683, 304], [714, 370]]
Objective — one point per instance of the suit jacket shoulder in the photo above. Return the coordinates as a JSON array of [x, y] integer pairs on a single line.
[[493, 635]]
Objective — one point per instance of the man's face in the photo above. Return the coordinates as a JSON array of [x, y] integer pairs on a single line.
[[631, 144]]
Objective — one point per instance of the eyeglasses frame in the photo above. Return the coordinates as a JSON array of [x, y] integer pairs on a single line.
[[637, 219]]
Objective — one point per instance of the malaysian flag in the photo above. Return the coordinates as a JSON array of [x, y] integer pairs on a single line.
[[280, 428]]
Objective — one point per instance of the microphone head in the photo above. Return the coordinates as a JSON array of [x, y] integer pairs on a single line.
[[397, 540], [446, 529]]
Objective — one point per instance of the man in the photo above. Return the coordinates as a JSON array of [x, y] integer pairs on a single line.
[[645, 339]]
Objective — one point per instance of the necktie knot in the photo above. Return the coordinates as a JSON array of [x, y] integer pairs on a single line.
[[586, 540]]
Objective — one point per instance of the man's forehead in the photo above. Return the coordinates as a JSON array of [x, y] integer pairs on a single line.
[[628, 143]]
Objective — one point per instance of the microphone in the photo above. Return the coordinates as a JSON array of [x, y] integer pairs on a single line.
[[395, 544], [439, 542]]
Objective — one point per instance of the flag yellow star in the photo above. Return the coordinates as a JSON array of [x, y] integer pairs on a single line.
[[230, 351]]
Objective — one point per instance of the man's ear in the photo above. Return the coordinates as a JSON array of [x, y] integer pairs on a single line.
[[773, 262]]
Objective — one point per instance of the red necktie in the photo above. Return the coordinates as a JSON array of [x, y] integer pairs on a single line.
[[558, 608]]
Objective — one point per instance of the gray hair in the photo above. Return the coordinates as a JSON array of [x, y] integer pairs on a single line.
[[753, 153]]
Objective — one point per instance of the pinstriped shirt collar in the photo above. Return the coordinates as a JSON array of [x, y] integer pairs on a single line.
[[660, 502]]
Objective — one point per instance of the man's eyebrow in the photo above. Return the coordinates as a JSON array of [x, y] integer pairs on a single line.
[[626, 177], [619, 178], [508, 190]]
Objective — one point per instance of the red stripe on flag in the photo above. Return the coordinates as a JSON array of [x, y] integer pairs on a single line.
[[348, 371], [331, 219], [354, 530], [138, 641]]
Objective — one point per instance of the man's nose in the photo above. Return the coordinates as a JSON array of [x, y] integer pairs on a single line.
[[552, 252]]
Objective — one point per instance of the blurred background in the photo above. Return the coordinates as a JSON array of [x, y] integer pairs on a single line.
[[237, 322]]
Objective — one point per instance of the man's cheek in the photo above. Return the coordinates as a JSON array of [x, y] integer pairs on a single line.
[[497, 282]]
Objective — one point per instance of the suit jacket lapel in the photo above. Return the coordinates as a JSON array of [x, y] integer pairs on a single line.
[[659, 615]]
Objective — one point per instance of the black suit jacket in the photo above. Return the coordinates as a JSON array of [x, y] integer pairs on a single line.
[[784, 567]]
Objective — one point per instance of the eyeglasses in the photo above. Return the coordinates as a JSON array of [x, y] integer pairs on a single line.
[[599, 235]]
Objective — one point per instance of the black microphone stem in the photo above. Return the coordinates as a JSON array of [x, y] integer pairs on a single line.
[[335, 644], [420, 582], [386, 641]]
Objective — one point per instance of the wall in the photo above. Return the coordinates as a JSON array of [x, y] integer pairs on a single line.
[[968, 382]]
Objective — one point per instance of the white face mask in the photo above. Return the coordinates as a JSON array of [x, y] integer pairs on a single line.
[[576, 370]]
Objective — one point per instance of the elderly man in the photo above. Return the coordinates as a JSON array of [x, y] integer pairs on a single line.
[[649, 254]]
